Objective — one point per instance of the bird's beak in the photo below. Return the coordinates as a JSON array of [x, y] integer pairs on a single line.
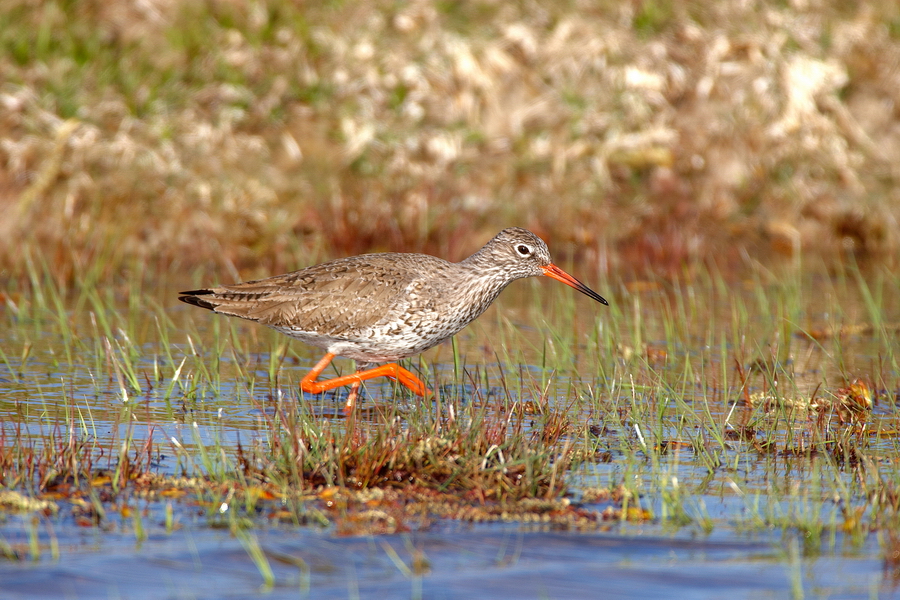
[[560, 275]]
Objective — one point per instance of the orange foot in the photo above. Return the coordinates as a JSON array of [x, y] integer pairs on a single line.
[[392, 370]]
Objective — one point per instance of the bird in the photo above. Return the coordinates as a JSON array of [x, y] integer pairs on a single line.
[[383, 307]]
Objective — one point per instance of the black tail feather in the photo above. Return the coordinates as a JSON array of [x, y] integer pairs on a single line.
[[195, 297]]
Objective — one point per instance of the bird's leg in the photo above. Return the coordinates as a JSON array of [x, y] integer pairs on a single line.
[[309, 384], [351, 398], [392, 370]]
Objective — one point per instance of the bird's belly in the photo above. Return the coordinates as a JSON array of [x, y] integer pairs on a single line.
[[377, 346]]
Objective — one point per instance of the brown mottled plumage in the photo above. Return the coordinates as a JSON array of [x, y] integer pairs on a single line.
[[376, 308]]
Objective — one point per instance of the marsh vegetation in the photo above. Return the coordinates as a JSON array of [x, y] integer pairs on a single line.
[[725, 174]]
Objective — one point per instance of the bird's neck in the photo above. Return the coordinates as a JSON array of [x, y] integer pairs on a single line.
[[481, 260], [487, 278]]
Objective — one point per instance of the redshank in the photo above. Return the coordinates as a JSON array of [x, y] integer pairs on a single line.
[[380, 308]]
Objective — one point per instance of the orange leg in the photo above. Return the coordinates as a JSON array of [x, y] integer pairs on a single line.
[[351, 397], [392, 370]]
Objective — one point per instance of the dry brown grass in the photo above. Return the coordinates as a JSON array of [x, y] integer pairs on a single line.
[[237, 135]]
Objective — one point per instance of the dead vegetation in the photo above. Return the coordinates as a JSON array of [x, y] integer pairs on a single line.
[[265, 134]]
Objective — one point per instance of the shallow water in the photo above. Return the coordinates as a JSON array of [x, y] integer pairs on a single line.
[[53, 389], [479, 562]]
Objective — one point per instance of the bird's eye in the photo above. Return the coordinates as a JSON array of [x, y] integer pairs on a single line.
[[523, 250]]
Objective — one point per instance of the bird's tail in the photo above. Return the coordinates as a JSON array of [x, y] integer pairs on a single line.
[[196, 298]]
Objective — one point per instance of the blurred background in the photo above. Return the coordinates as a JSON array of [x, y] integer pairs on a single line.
[[249, 138]]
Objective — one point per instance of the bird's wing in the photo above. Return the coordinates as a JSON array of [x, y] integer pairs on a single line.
[[338, 298]]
